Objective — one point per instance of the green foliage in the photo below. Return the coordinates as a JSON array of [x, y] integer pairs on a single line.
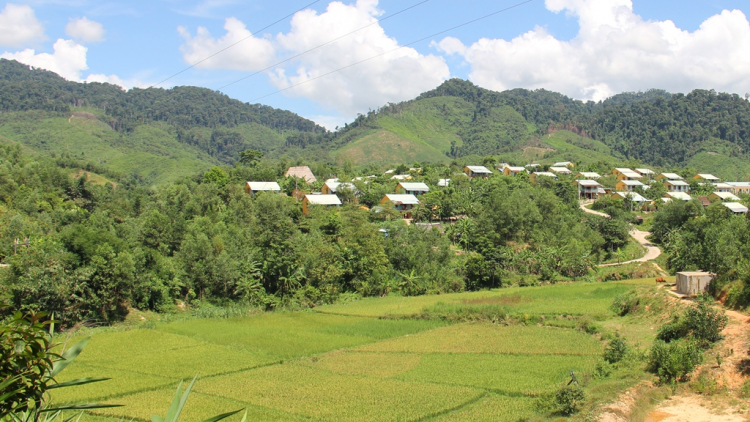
[[570, 399], [673, 361], [178, 403], [701, 323], [616, 350], [626, 303]]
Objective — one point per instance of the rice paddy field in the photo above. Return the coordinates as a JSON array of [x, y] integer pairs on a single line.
[[371, 360]]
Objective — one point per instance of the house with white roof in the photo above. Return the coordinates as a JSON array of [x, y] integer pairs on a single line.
[[629, 185], [327, 201], [626, 174], [724, 197], [705, 177], [560, 170], [251, 188], [402, 177], [677, 186], [682, 196], [404, 203], [477, 171], [444, 183], [415, 189], [635, 197], [512, 171], [722, 187], [669, 176], [588, 189], [567, 164], [739, 187], [588, 175], [735, 207], [646, 172], [536, 174], [331, 188]]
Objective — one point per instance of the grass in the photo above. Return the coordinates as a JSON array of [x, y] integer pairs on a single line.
[[322, 366], [632, 251]]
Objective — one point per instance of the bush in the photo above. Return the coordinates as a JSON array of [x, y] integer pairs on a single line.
[[675, 330], [569, 399], [603, 369], [615, 350], [587, 325], [745, 390], [626, 303], [673, 361], [706, 323], [705, 384]]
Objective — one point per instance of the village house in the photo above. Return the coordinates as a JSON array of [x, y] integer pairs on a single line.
[[512, 171], [477, 171], [682, 196], [444, 183], [402, 177], [403, 203], [302, 172], [629, 185], [626, 174], [677, 186], [723, 197], [560, 170], [722, 187], [635, 197], [536, 174], [588, 189], [705, 177], [669, 176], [328, 201], [704, 201], [252, 188], [648, 173], [588, 175], [735, 207], [331, 188], [739, 187], [566, 164], [415, 189]]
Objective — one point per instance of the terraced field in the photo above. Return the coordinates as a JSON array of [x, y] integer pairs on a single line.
[[346, 363]]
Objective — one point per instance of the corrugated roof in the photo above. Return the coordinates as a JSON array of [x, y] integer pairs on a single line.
[[727, 196], [302, 172], [738, 184], [335, 186], [545, 173], [706, 176], [443, 182], [516, 169], [418, 187], [479, 169], [323, 199], [563, 170], [736, 207], [679, 195], [631, 183], [591, 183], [635, 197], [645, 171], [264, 186], [401, 177], [590, 175], [402, 199], [671, 176], [678, 183], [562, 164]]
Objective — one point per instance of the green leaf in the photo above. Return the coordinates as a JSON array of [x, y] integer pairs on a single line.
[[80, 381], [68, 356], [84, 406], [226, 415]]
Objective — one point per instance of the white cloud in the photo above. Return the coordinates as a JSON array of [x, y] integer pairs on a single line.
[[85, 30], [615, 51], [19, 26], [68, 59], [395, 76], [251, 53]]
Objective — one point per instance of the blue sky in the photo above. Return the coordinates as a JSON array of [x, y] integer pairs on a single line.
[[587, 49]]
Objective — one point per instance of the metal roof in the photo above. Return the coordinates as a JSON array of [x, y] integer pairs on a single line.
[[645, 171], [738, 184], [545, 173], [727, 196], [515, 169], [706, 176], [402, 199], [631, 183], [264, 186], [678, 183], [679, 195], [736, 207], [443, 182], [590, 183], [335, 186], [635, 197], [401, 177], [418, 187], [562, 164], [479, 169], [671, 176], [323, 199], [590, 175], [563, 170], [302, 172]]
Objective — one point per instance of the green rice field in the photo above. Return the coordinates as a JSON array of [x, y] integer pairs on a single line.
[[366, 360]]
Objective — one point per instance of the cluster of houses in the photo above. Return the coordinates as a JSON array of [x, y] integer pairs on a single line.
[[629, 183]]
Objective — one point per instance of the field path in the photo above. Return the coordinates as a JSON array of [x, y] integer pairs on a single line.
[[652, 252]]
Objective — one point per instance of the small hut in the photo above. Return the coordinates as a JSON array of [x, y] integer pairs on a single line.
[[693, 282]]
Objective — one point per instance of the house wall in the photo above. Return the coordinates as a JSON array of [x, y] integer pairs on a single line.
[[692, 284]]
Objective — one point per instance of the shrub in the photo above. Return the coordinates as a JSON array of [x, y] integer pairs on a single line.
[[569, 399], [673, 361], [615, 350], [745, 390], [603, 369], [675, 330], [706, 323], [587, 325], [626, 303], [705, 384]]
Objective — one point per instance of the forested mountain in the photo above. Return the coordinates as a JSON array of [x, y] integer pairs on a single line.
[[199, 128]]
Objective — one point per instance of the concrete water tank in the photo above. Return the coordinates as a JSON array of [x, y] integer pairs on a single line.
[[693, 283]]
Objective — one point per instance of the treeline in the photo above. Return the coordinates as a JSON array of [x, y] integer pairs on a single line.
[[93, 251]]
